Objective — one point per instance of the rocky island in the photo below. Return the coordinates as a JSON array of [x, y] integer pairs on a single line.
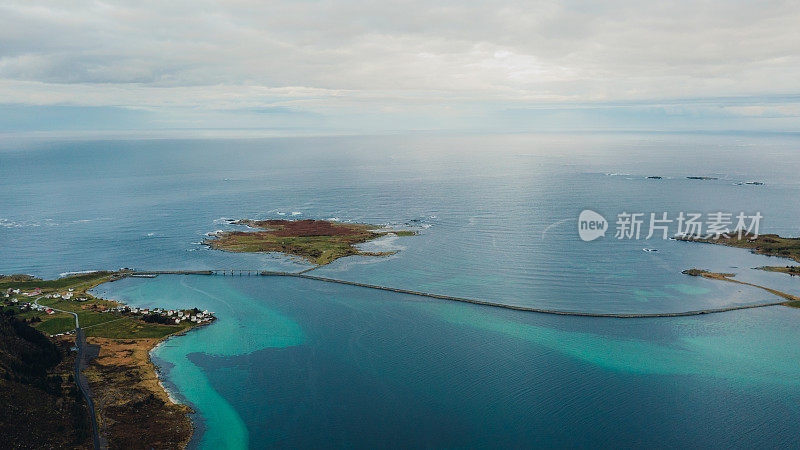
[[318, 241]]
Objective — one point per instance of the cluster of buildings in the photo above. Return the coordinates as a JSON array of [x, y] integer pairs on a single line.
[[66, 295], [37, 307], [10, 293], [34, 292], [28, 306], [169, 315], [176, 315]]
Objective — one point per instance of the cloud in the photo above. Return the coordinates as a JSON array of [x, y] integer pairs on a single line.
[[345, 57]]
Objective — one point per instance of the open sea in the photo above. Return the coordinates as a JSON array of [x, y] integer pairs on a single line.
[[298, 363]]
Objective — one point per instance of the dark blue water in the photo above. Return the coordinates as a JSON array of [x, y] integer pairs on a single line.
[[292, 363], [372, 377]]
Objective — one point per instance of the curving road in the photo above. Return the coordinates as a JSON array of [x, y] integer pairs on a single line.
[[80, 380]]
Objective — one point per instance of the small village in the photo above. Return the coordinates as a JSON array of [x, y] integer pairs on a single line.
[[99, 352], [172, 315], [36, 305]]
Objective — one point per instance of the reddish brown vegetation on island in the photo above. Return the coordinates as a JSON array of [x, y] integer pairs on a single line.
[[319, 241]]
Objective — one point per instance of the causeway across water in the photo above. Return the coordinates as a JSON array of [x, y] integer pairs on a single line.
[[250, 272]]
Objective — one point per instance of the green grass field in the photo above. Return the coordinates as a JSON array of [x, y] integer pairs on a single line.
[[99, 324], [59, 283], [129, 328], [111, 325], [55, 324]]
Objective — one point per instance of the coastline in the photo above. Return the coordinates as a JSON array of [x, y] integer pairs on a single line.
[[173, 413], [125, 381], [179, 411], [771, 245], [174, 395]]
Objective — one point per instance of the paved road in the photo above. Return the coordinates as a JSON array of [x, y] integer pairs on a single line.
[[80, 380], [77, 326]]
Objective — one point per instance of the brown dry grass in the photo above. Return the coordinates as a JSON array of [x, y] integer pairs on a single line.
[[133, 409]]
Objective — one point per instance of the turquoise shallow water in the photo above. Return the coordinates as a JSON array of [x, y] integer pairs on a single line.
[[248, 326], [294, 363], [314, 364]]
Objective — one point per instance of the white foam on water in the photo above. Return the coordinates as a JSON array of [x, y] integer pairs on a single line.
[[80, 272]]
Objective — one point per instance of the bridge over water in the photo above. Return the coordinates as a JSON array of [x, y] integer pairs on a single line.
[[254, 272]]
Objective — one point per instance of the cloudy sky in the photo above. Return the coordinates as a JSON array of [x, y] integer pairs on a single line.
[[356, 66]]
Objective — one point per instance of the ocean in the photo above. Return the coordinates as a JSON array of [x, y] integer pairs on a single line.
[[298, 363]]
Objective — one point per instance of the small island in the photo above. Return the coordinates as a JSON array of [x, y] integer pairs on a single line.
[[318, 241]]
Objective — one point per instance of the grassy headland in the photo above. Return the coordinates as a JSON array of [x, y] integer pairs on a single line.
[[764, 244], [319, 241], [791, 270], [28, 282]]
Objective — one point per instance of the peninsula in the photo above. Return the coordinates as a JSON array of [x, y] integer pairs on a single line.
[[793, 300], [318, 241], [765, 244]]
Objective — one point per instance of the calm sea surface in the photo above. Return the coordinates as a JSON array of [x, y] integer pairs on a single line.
[[297, 363]]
